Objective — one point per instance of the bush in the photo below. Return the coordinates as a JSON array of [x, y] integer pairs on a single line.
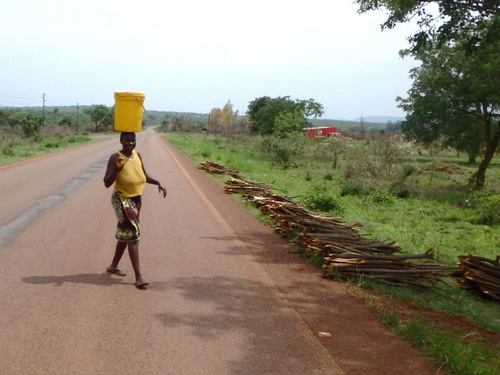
[[489, 210], [381, 162], [400, 190], [382, 197], [328, 176], [284, 150], [318, 199], [52, 142], [351, 187], [8, 150]]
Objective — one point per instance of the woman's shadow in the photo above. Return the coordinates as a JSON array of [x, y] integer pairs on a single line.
[[102, 279]]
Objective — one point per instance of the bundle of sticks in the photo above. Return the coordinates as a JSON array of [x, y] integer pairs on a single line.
[[237, 185], [213, 167], [480, 274], [391, 268], [345, 252]]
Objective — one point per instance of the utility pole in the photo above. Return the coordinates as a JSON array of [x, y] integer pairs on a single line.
[[77, 118], [43, 110]]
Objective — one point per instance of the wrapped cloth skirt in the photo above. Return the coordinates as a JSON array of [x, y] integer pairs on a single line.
[[127, 213]]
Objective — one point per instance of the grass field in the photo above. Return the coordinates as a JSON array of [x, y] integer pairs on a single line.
[[437, 211], [15, 148]]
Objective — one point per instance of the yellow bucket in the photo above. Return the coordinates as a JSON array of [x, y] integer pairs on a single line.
[[128, 111]]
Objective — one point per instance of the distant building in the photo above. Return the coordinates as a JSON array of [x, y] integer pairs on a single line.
[[322, 132]]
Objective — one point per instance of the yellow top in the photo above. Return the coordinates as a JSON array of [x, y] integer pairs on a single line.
[[131, 180]]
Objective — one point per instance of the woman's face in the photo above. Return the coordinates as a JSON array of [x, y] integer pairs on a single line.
[[128, 142]]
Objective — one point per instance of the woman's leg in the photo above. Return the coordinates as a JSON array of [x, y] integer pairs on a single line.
[[120, 249], [133, 251]]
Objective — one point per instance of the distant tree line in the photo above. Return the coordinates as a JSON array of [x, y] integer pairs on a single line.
[[31, 121]]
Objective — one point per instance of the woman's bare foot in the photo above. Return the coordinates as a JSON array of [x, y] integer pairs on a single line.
[[141, 284]]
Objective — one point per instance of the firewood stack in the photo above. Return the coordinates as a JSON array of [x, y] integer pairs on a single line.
[[344, 251], [480, 274], [212, 167]]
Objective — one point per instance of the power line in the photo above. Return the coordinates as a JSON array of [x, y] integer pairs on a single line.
[[8, 98], [17, 95], [14, 100]]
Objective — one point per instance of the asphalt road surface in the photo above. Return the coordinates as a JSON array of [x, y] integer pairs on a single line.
[[225, 295]]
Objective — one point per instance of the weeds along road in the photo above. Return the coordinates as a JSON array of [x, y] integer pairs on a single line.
[[226, 296]]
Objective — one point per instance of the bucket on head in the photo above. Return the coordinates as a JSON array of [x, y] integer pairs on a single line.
[[128, 111]]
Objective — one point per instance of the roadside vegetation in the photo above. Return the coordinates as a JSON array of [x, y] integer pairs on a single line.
[[422, 197], [30, 132], [431, 182], [15, 148]]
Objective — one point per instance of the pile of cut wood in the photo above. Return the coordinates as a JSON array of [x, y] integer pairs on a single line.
[[480, 274], [344, 251], [212, 167]]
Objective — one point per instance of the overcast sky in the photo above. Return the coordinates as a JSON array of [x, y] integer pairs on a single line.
[[193, 55]]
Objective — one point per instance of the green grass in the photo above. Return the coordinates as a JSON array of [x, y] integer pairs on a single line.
[[466, 354], [438, 214], [14, 149], [433, 218]]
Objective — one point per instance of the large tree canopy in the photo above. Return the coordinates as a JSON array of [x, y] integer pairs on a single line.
[[100, 115], [438, 19], [456, 94], [456, 90], [281, 114]]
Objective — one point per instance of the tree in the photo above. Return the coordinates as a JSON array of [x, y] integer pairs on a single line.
[[456, 94], [438, 20], [30, 124], [227, 117], [456, 89], [287, 123], [66, 121], [175, 124], [264, 111], [393, 127], [188, 125], [362, 127], [100, 115], [214, 120]]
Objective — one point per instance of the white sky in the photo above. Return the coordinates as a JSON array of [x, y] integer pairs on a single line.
[[193, 55]]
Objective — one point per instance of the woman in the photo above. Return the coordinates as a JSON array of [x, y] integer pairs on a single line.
[[126, 170]]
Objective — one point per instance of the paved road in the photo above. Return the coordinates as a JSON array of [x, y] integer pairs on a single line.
[[210, 308], [226, 297]]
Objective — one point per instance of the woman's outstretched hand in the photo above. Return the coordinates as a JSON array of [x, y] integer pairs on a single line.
[[161, 189]]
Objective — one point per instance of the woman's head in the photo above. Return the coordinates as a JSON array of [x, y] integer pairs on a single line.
[[128, 141], [126, 135]]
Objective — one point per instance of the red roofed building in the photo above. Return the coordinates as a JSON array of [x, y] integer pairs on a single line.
[[322, 132]]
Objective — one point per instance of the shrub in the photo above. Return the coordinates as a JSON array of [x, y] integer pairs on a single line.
[[489, 210], [284, 150], [400, 190], [52, 142], [318, 199], [8, 150], [328, 176], [352, 187], [382, 197], [308, 175], [380, 163]]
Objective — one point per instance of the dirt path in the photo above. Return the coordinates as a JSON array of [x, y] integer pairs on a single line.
[[226, 295]]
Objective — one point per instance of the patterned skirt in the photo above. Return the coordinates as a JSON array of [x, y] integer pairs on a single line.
[[127, 214]]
